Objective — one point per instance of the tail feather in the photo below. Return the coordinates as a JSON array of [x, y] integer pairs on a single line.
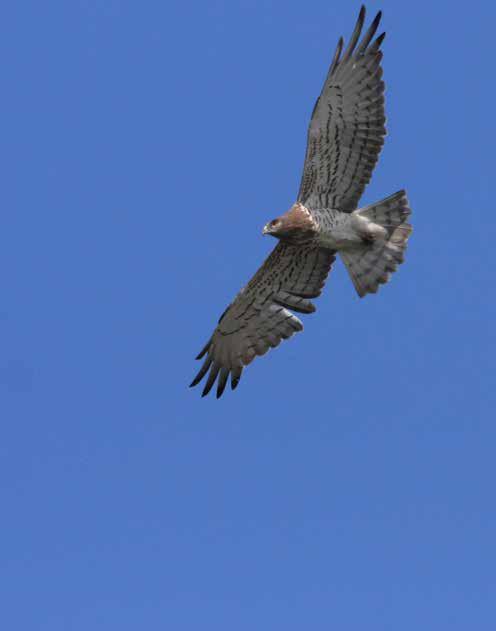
[[372, 263]]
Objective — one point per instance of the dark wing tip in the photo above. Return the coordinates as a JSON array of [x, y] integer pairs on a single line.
[[334, 63], [375, 46], [224, 374], [204, 349], [355, 36], [236, 376], [212, 376], [223, 378], [367, 38], [201, 372], [206, 389]]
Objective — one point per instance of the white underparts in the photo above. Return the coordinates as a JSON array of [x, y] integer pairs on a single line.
[[348, 230]]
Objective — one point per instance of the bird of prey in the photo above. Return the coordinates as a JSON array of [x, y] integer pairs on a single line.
[[345, 138]]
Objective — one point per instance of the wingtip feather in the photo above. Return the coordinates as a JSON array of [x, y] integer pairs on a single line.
[[355, 36], [375, 46], [212, 376], [224, 374], [334, 63], [204, 349], [201, 372], [367, 38]]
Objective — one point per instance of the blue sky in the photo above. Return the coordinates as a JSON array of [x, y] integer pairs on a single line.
[[348, 483]]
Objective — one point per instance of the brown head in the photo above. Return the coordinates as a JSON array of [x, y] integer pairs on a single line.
[[295, 226]]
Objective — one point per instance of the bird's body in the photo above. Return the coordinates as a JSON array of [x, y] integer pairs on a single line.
[[331, 228], [337, 230], [345, 136]]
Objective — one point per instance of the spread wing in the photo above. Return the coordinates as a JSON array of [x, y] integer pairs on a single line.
[[347, 130], [258, 318]]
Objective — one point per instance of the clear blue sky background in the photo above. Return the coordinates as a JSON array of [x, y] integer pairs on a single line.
[[349, 482]]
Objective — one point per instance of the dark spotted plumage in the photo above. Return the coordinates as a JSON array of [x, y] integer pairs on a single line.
[[345, 137]]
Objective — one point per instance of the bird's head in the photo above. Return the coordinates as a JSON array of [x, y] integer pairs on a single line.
[[274, 227], [294, 226]]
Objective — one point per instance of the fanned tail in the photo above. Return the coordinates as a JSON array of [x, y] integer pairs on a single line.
[[372, 263]]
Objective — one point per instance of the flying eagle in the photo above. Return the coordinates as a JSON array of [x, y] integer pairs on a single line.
[[345, 138]]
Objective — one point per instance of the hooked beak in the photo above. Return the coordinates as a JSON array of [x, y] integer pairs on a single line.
[[266, 229]]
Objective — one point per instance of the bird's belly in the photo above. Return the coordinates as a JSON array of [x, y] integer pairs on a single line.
[[339, 233]]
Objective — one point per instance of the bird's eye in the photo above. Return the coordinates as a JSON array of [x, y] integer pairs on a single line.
[[274, 223]]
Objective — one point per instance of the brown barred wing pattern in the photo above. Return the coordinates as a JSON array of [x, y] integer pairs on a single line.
[[260, 317], [346, 132]]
